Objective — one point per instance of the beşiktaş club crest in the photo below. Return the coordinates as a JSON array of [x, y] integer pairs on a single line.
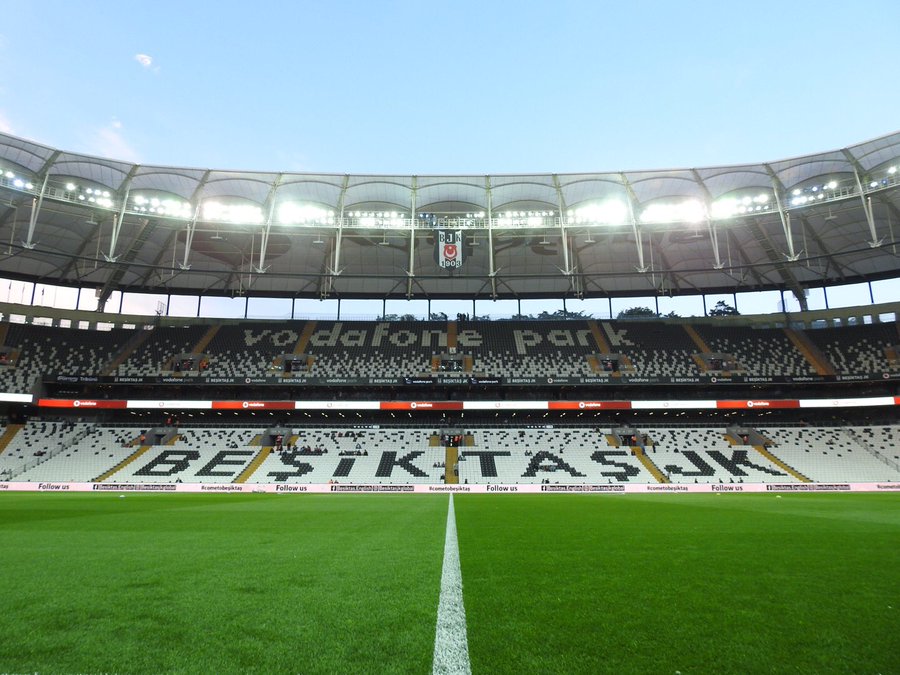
[[450, 249]]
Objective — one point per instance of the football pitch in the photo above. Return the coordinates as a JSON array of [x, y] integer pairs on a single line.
[[150, 583]]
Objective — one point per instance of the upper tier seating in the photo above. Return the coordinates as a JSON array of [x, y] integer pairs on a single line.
[[384, 349], [529, 348], [63, 351], [655, 349], [157, 350], [760, 351], [857, 349], [249, 349]]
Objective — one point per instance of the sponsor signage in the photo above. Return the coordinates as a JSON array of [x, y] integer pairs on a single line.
[[750, 404], [761, 404], [491, 488], [79, 403], [253, 405], [462, 380], [589, 405], [422, 405]]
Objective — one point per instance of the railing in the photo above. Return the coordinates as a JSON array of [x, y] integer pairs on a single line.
[[861, 442], [51, 453]]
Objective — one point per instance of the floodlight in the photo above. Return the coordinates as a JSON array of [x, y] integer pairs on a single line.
[[10, 174], [610, 212], [19, 183], [832, 185], [892, 170], [70, 186]]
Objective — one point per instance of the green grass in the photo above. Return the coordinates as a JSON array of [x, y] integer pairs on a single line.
[[210, 583], [804, 583], [696, 584]]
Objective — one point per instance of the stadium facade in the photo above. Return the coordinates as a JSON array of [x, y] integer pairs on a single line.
[[97, 399]]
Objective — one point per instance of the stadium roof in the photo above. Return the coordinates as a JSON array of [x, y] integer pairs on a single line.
[[791, 224]]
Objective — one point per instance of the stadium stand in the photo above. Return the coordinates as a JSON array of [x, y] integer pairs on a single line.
[[689, 455], [84, 451], [157, 352], [655, 349], [838, 454], [382, 349], [760, 351], [382, 456], [858, 349], [531, 348], [251, 349], [75, 451], [47, 349]]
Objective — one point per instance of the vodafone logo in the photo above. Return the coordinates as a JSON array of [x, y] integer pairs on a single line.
[[581, 404], [245, 405], [762, 404], [413, 405], [76, 404]]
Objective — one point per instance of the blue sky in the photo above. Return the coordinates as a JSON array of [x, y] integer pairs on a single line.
[[462, 87], [447, 88]]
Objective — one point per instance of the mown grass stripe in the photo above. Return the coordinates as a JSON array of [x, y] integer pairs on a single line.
[[451, 645]]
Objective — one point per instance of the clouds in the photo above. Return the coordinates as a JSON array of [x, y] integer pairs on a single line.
[[109, 141], [147, 62]]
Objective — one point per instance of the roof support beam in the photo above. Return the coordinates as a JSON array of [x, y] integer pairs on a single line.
[[37, 202], [779, 190], [810, 232], [858, 172], [189, 231], [119, 218], [745, 261], [492, 269], [710, 224], [786, 275], [635, 227], [410, 271], [267, 226]]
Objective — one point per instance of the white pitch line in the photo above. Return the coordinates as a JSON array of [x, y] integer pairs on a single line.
[[451, 646]]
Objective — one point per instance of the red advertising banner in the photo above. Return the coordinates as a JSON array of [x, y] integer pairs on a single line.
[[589, 405], [758, 404], [79, 403], [421, 405], [253, 405]]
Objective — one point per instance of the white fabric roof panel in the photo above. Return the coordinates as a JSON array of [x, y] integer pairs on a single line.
[[830, 239]]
